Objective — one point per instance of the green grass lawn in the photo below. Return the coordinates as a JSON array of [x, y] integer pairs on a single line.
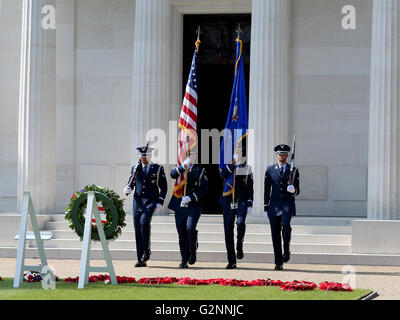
[[100, 291]]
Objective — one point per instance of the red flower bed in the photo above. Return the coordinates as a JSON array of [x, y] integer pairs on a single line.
[[334, 286], [298, 286], [102, 278], [230, 282], [198, 282], [267, 283], [286, 286], [165, 280], [125, 279]]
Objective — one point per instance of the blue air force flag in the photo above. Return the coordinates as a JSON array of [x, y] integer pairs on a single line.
[[236, 128]]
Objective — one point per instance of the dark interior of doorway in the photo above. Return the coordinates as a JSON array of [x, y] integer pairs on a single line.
[[215, 79]]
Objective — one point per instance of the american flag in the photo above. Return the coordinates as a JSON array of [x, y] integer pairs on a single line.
[[187, 122]]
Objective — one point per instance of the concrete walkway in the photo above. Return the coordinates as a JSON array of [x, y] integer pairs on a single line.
[[384, 280]]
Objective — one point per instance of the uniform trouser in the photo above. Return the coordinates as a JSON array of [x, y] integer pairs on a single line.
[[280, 224], [186, 226], [229, 222], [142, 223]]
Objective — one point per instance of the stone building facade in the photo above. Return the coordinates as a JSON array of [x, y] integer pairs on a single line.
[[77, 100]]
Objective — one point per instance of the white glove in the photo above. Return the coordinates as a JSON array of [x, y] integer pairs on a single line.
[[236, 157], [185, 200], [158, 208], [187, 163], [291, 189], [249, 209], [127, 190], [266, 214]]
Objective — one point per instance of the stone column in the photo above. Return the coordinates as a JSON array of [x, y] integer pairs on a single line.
[[384, 129], [66, 112], [151, 69], [151, 79], [268, 112], [37, 109]]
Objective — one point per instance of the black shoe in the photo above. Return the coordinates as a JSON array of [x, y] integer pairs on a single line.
[[278, 267], [140, 264], [231, 266], [183, 265], [146, 256], [192, 258], [286, 257], [239, 249], [240, 254]]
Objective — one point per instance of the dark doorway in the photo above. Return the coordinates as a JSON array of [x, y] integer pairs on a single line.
[[215, 79]]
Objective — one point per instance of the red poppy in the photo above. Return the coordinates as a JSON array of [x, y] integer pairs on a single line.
[[298, 286], [286, 286], [334, 286]]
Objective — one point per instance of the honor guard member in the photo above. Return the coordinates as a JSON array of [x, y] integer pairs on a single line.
[[279, 203], [238, 207], [188, 208], [150, 185]]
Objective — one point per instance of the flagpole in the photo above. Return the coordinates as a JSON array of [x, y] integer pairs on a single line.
[[234, 169], [187, 174], [238, 31], [197, 44]]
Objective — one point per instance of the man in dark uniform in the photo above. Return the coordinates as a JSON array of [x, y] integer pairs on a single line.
[[240, 206], [188, 208], [279, 203], [150, 184]]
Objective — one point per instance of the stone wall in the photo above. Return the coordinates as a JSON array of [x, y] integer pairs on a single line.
[[10, 40], [330, 69], [328, 101], [94, 55]]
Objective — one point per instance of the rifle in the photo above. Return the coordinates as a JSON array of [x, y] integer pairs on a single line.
[[292, 171], [131, 182]]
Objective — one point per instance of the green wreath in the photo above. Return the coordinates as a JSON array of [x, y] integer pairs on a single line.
[[113, 207]]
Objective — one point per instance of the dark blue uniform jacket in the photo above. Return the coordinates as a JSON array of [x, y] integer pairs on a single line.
[[197, 187], [243, 184], [150, 188], [276, 196]]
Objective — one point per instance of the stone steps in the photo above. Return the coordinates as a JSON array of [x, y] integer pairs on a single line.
[[216, 256], [203, 246], [298, 220], [218, 227], [316, 242], [219, 236]]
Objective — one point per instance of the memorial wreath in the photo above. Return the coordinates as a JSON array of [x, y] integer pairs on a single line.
[[111, 205]]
